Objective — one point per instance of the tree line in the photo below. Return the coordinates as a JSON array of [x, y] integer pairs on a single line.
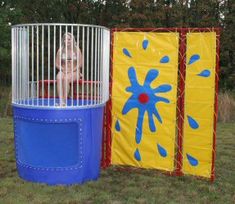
[[122, 14]]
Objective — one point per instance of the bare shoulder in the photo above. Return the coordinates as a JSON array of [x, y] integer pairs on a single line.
[[58, 51], [78, 48]]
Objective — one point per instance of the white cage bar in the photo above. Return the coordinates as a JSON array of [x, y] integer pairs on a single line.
[[60, 65]]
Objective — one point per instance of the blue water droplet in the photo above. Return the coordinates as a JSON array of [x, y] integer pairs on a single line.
[[194, 58], [205, 73], [161, 150], [192, 122], [137, 155], [126, 52], [193, 161], [165, 59], [145, 44], [117, 126]]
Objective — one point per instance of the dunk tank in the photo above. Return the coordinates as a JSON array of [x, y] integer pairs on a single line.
[[161, 114], [60, 84]]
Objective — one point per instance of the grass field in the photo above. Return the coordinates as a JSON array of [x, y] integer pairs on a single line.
[[5, 94], [119, 186]]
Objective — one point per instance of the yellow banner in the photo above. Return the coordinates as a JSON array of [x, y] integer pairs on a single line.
[[199, 103], [144, 99]]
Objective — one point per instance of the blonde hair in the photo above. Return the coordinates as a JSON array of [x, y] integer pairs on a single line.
[[63, 45]]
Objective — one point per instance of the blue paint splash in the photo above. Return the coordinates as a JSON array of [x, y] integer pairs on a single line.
[[137, 155], [150, 106], [165, 59], [194, 58], [192, 122], [145, 44], [205, 73], [163, 88], [193, 161], [126, 52], [117, 126], [161, 150]]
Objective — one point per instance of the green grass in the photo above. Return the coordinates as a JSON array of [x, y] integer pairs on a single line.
[[4, 100], [119, 186]]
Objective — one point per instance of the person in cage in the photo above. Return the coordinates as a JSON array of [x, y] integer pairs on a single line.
[[69, 63]]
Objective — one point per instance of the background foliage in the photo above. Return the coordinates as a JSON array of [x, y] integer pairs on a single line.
[[124, 13]]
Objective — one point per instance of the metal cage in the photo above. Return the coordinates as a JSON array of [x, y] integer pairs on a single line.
[[50, 69]]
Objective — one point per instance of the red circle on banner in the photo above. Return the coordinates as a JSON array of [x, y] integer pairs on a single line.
[[143, 98]]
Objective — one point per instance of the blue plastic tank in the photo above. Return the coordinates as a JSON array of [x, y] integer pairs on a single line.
[[58, 146]]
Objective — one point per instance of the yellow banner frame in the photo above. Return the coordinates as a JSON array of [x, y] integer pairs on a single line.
[[181, 77]]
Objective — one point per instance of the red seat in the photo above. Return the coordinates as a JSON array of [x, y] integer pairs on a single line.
[[45, 83]]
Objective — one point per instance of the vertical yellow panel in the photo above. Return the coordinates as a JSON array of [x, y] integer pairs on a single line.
[[145, 66], [199, 103]]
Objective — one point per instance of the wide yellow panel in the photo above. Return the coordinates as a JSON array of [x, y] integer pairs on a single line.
[[199, 103], [144, 95]]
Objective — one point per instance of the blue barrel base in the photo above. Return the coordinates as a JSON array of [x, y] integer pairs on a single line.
[[58, 146], [54, 177]]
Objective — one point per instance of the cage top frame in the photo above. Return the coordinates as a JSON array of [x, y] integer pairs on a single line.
[[58, 24]]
